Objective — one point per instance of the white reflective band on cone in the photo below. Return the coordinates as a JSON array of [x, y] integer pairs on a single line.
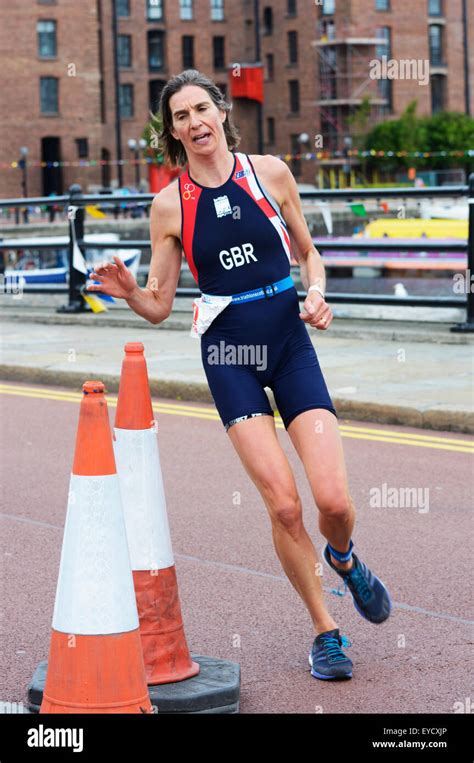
[[143, 498], [95, 592]]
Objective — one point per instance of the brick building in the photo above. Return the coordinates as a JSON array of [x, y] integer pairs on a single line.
[[57, 74]]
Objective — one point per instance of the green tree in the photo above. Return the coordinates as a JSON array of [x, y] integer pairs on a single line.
[[445, 131], [150, 133]]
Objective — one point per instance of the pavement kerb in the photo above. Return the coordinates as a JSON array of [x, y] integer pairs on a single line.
[[355, 410], [340, 328]]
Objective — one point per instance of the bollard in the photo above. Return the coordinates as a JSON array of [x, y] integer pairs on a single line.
[[77, 280]]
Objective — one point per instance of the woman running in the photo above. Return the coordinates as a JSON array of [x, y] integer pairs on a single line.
[[238, 219]]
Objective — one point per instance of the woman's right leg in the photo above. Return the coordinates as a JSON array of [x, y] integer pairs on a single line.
[[262, 456]]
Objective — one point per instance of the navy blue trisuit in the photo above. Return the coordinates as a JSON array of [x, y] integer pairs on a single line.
[[236, 242]]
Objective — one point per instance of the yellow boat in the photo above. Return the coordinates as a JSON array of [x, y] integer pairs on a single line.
[[416, 228]]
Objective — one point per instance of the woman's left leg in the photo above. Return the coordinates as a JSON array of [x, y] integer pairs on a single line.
[[317, 440], [315, 435]]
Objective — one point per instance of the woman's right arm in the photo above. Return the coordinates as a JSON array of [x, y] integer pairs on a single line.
[[155, 300]]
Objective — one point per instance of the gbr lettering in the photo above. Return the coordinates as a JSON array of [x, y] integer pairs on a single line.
[[237, 256]]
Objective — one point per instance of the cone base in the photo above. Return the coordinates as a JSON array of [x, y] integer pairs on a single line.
[[187, 669], [95, 674]]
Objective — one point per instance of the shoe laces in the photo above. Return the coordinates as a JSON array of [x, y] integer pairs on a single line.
[[340, 591], [332, 647], [361, 586]]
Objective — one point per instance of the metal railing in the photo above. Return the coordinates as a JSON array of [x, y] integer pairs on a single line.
[[75, 198]]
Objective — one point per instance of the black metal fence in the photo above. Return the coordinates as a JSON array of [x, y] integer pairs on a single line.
[[75, 198]]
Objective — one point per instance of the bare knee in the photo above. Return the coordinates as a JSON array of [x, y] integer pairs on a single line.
[[336, 505], [286, 513], [281, 498]]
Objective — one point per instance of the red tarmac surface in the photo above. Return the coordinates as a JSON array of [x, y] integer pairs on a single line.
[[236, 600]]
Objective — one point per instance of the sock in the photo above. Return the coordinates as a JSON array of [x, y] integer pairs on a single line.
[[345, 556]]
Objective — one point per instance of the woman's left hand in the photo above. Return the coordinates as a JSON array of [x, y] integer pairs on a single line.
[[317, 313]]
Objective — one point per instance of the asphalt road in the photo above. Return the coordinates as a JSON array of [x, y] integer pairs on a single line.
[[236, 600]]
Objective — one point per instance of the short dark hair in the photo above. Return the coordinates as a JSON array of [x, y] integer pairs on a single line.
[[172, 149]]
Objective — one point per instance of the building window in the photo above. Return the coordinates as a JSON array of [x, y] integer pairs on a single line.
[[436, 44], [186, 10], [291, 9], [293, 47], [382, 5], [154, 10], [270, 130], [269, 67], [126, 101], [218, 48], [438, 84], [156, 50], [47, 43], [295, 149], [155, 86], [49, 92], [188, 51], [123, 7], [294, 87], [82, 148], [124, 51], [435, 7], [385, 49], [217, 10], [268, 20], [329, 7]]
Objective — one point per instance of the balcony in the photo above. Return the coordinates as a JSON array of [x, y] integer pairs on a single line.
[[360, 41]]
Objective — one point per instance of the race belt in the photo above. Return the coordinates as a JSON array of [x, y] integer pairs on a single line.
[[263, 292]]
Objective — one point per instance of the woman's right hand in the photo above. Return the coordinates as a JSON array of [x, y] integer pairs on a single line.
[[116, 280]]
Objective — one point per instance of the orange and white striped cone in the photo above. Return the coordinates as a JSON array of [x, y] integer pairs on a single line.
[[95, 660], [165, 650]]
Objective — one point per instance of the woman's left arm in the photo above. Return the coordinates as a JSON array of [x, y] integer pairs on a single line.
[[317, 312]]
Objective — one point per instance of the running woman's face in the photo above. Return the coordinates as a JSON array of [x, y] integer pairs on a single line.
[[197, 122]]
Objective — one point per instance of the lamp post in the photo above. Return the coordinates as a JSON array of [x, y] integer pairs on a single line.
[[347, 164], [137, 146], [118, 123], [23, 164], [303, 140]]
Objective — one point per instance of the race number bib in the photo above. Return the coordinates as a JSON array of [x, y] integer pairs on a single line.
[[205, 309]]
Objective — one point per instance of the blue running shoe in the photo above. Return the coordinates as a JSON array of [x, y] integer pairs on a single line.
[[327, 659], [371, 598]]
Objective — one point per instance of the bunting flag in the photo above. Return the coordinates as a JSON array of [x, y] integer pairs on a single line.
[[94, 212], [307, 156], [358, 209], [94, 302], [325, 210]]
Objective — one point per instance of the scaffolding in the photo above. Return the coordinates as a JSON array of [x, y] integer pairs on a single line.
[[344, 79]]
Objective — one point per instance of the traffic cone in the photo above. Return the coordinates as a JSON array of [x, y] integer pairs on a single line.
[[165, 650], [95, 660]]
